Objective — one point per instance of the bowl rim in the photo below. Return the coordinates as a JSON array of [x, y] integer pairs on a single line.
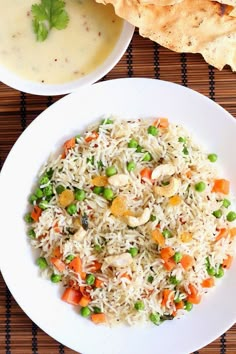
[[17, 82]]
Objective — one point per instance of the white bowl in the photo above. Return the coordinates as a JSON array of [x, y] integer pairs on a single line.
[[13, 80]]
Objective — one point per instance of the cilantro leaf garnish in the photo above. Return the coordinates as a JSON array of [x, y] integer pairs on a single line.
[[47, 15]]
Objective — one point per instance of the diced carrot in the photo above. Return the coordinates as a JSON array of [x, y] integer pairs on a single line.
[[126, 276], [179, 305], [158, 237], [193, 297], [146, 173], [36, 213], [189, 174], [208, 283], [161, 123], [227, 262], [186, 261], [85, 290], [232, 232], [76, 265], [98, 318], [83, 275], [56, 228], [58, 264], [167, 295], [174, 313], [221, 186], [92, 137], [98, 283], [169, 265], [73, 284], [167, 253], [84, 301], [57, 252], [69, 144], [175, 200], [95, 266], [72, 296], [223, 233]]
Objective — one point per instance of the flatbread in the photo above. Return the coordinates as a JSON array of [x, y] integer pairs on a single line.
[[227, 2], [198, 26], [161, 2]]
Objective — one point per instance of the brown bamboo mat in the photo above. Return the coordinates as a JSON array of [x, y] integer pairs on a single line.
[[18, 334]]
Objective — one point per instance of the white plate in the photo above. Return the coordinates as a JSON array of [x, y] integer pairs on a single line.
[[39, 298]]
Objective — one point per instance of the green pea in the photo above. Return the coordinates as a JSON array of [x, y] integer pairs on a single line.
[[155, 318], [139, 305], [182, 140], [80, 194], [212, 157], [211, 271], [38, 193], [231, 216], [200, 186], [43, 204], [152, 130], [220, 272], [131, 166], [69, 258], [173, 280], [98, 247], [111, 171], [133, 143], [90, 279], [177, 300], [43, 180], [108, 194], [55, 278], [133, 251], [147, 157], [185, 151], [153, 218], [31, 233], [106, 121], [166, 233], [48, 191], [85, 311], [71, 209], [77, 137], [139, 148], [150, 279], [188, 306], [60, 189], [98, 190], [97, 309], [28, 218], [42, 263], [217, 214], [32, 199], [226, 203], [177, 257]]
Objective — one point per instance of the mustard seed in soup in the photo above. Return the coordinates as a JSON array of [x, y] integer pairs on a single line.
[[67, 54]]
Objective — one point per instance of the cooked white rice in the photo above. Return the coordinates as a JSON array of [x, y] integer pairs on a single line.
[[193, 215]]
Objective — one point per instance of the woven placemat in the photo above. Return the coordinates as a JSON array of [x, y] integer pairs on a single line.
[[18, 334]]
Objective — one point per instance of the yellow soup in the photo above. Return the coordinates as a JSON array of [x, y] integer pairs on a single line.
[[67, 54]]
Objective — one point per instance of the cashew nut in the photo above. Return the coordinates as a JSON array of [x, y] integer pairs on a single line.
[[118, 180], [169, 190], [140, 220], [119, 261], [162, 171], [79, 235]]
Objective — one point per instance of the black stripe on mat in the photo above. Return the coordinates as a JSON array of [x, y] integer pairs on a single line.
[[184, 73], [156, 61], [223, 344], [49, 101], [8, 322], [211, 72], [129, 60], [61, 349], [34, 332], [23, 110]]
